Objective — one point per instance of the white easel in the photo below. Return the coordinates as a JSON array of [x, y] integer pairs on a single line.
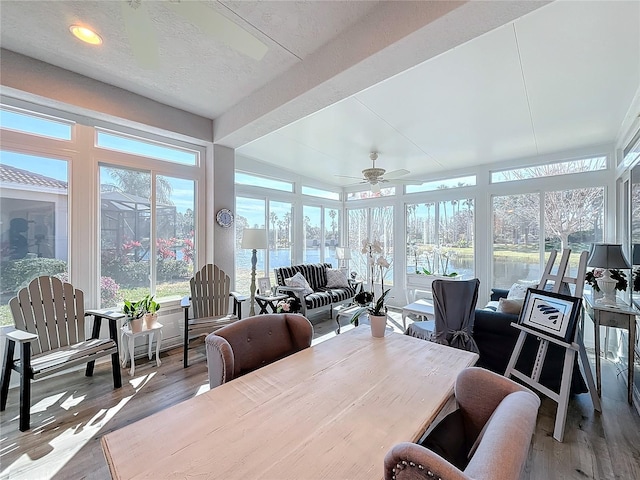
[[577, 346]]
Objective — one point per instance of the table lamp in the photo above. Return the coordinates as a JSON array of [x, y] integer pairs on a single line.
[[343, 254], [254, 239], [607, 256]]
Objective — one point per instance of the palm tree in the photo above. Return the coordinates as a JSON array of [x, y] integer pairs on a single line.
[[139, 183]]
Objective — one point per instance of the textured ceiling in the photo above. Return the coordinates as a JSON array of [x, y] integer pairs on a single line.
[[432, 86], [196, 72]]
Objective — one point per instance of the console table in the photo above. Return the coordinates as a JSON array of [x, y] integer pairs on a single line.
[[619, 316]]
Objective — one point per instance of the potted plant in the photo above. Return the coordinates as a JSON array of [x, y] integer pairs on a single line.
[[376, 309], [619, 276], [288, 305], [151, 308], [134, 312]]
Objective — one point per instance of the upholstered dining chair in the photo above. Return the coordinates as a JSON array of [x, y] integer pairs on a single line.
[[254, 342], [209, 305], [488, 437], [49, 318], [454, 303]]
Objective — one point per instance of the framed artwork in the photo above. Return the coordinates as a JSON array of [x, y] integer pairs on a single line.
[[264, 286], [550, 313]]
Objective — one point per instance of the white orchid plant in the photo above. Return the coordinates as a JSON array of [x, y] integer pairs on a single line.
[[367, 299]]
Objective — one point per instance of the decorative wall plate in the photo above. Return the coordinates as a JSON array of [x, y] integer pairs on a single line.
[[224, 217]]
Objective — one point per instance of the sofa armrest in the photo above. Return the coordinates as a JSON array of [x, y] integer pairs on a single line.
[[498, 293], [409, 461]]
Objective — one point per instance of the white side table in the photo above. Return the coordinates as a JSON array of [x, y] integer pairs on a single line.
[[128, 346]]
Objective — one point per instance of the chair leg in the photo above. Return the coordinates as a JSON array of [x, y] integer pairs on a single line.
[[25, 386], [9, 348], [186, 340]]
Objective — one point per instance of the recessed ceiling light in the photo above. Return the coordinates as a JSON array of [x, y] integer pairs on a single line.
[[85, 34]]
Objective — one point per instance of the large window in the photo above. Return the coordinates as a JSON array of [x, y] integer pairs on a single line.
[[34, 213], [440, 237], [137, 239], [571, 218], [368, 225], [322, 234]]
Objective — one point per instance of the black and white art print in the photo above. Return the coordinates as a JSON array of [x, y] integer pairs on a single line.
[[550, 313]]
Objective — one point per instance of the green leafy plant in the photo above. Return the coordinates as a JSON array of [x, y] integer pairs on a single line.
[[149, 304], [133, 310]]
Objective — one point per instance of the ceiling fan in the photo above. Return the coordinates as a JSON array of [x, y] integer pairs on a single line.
[[376, 176], [143, 36]]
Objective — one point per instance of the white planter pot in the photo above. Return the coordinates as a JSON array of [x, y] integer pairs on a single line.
[[136, 325], [150, 320], [378, 325]]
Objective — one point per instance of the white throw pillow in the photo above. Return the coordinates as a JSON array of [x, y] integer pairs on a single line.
[[512, 306], [298, 280], [336, 278], [517, 290]]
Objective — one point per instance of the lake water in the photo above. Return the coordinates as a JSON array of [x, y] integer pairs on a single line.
[[507, 271]]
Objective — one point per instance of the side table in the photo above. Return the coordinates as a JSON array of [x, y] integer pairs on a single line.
[[269, 301], [128, 346], [619, 316]]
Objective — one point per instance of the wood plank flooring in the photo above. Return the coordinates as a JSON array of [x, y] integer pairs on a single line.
[[70, 413]]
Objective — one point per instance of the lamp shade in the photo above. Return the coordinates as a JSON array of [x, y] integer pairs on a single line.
[[343, 253], [254, 239], [636, 254], [607, 255]]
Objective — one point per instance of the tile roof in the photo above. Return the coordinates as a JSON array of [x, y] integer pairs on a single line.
[[9, 174]]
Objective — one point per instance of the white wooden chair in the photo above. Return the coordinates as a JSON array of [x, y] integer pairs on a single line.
[[209, 302], [50, 328]]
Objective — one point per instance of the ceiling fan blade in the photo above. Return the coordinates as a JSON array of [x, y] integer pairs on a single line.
[[396, 173], [221, 28], [348, 176], [142, 35]]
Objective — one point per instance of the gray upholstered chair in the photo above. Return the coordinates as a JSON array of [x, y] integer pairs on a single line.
[[454, 303], [254, 342], [488, 437]]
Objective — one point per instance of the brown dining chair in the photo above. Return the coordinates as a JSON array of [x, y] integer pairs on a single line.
[[254, 342], [488, 437], [209, 305], [48, 315]]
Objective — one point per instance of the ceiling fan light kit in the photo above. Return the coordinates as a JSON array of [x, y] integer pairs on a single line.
[[374, 176]]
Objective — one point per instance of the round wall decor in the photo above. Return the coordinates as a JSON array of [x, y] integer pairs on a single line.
[[224, 217]]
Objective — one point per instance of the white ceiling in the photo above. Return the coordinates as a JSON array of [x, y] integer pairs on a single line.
[[560, 77]]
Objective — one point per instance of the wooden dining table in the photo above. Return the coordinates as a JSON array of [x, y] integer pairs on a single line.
[[331, 411]]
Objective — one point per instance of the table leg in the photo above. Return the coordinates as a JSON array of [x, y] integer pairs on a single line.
[[133, 357], [150, 345], [596, 321], [125, 351], [158, 342]]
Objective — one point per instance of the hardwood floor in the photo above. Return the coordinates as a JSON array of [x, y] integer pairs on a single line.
[[70, 413]]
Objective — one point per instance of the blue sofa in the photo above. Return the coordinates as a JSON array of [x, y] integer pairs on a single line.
[[496, 339]]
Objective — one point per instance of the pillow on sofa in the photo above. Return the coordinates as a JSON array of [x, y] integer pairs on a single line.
[[518, 290], [336, 278], [512, 306], [298, 280]]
